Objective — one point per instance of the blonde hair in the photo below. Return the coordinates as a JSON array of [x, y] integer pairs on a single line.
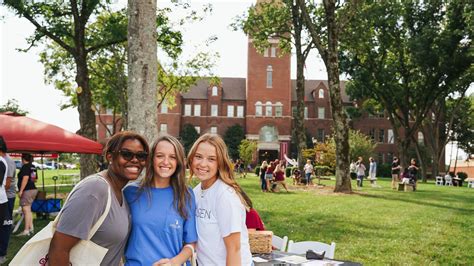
[[224, 164], [181, 195]]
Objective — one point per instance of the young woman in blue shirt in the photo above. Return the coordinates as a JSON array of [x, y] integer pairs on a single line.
[[162, 208]]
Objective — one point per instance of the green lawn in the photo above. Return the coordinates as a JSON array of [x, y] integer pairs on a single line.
[[374, 226]]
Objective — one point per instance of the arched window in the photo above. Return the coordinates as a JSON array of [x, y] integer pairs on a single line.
[[258, 108], [214, 91], [269, 77], [278, 109], [321, 94], [268, 134], [268, 109]]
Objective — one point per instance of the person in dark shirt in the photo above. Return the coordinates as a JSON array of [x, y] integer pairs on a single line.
[[395, 172], [413, 172], [27, 191]]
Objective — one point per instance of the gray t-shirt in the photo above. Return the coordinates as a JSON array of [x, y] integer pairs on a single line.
[[83, 209], [11, 192]]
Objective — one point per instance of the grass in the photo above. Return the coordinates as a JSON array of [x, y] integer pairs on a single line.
[[373, 226]]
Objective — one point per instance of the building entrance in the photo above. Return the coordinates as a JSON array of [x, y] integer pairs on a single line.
[[269, 155]]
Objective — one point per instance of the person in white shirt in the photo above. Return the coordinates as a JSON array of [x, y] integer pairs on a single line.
[[220, 206], [308, 170], [360, 172]]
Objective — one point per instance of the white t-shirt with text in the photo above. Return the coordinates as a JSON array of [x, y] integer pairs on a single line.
[[219, 212]]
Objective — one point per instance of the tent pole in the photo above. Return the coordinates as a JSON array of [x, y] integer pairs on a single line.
[[42, 171]]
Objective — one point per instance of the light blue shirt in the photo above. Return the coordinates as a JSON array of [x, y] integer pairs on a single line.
[[158, 231]]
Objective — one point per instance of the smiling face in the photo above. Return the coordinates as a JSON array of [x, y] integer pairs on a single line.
[[204, 164], [164, 162], [127, 169]]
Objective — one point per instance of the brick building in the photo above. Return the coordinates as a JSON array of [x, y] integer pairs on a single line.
[[263, 104]]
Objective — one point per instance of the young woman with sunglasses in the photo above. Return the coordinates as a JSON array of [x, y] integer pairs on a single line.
[[163, 209], [126, 153], [221, 208]]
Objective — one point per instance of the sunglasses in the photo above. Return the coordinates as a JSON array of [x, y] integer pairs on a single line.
[[128, 155]]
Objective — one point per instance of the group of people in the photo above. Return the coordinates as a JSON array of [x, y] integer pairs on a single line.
[[407, 176], [357, 171], [271, 175], [158, 219], [9, 187]]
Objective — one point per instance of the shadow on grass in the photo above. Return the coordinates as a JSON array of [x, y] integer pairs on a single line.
[[420, 201]]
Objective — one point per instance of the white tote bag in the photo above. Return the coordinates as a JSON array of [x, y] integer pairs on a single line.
[[86, 252]]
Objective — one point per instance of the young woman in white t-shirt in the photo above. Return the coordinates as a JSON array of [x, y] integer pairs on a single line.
[[220, 207]]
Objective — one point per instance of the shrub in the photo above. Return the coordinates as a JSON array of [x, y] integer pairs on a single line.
[[257, 170], [384, 170], [462, 175]]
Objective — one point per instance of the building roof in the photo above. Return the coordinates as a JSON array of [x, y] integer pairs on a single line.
[[311, 85], [233, 89]]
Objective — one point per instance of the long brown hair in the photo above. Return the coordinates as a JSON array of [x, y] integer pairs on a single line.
[[224, 164], [181, 195]]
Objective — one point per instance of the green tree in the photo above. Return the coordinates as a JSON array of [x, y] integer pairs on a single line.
[[360, 145], [188, 136], [324, 25], [12, 106], [247, 150], [282, 20], [407, 56], [233, 137], [463, 126]]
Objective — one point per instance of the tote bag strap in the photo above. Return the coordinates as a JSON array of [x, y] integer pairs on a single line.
[[101, 218]]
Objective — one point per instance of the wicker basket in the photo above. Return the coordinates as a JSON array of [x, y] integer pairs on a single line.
[[260, 241]]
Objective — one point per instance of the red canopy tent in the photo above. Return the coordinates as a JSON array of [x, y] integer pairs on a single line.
[[24, 134]]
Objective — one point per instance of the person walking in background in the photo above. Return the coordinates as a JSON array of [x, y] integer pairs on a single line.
[[252, 220], [353, 170], [261, 174], [27, 191], [360, 167], [4, 217], [279, 175], [163, 209], [395, 172], [308, 171], [269, 175], [10, 187], [413, 172], [373, 172], [127, 154], [221, 208]]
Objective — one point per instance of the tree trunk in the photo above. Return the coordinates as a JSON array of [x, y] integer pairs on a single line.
[[300, 130], [143, 68], [423, 165], [84, 103], [343, 180]]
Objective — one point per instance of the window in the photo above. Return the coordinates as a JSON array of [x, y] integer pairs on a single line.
[[269, 77], [372, 134], [197, 110], [268, 134], [258, 109], [421, 138], [279, 109], [214, 110], [214, 91], [163, 127], [293, 111], [240, 111], [268, 109], [381, 135], [230, 111], [164, 107], [321, 112], [265, 52], [380, 158], [321, 94], [273, 51], [198, 129], [213, 130], [305, 112], [320, 136], [187, 110], [390, 137], [109, 111]]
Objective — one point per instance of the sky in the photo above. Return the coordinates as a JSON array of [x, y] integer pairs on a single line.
[[22, 75]]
